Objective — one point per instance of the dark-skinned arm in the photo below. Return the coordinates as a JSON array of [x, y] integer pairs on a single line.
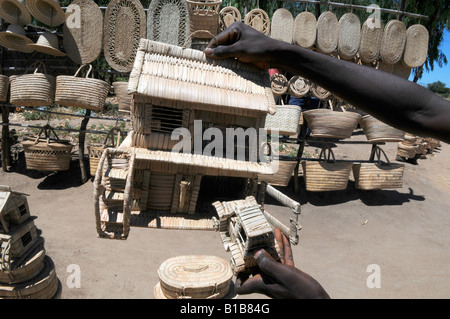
[[392, 99]]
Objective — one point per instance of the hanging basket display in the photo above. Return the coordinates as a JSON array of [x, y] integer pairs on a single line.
[[204, 16], [376, 131], [96, 151], [86, 93], [46, 153], [326, 123], [326, 174], [37, 89], [378, 175]]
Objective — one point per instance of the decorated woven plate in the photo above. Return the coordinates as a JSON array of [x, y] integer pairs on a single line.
[[83, 42], [282, 25], [124, 27], [227, 16], [304, 32], [259, 20], [168, 21]]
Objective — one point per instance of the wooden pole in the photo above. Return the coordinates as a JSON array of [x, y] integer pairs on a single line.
[[6, 147], [81, 143]]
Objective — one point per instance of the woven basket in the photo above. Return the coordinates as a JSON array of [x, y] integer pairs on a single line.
[[369, 48], [286, 120], [86, 93], [326, 174], [46, 154], [376, 131], [96, 151], [282, 25], [304, 32], [195, 277], [331, 124], [4, 88], [378, 175], [298, 86], [282, 176], [279, 84], [393, 42], [327, 32], [416, 47], [259, 20], [349, 36], [227, 16], [204, 15], [37, 89], [121, 92], [83, 42]]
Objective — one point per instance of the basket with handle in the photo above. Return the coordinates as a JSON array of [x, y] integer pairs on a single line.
[[86, 93], [46, 153], [326, 174], [204, 16], [326, 123], [286, 120], [36, 89], [96, 151], [378, 175], [376, 131]]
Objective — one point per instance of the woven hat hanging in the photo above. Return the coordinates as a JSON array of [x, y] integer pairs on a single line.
[[393, 42], [48, 43], [124, 26], [416, 48], [259, 20], [48, 12], [371, 36], [14, 38], [327, 32], [282, 25], [349, 36], [227, 16], [168, 21], [15, 12], [304, 32], [83, 42]]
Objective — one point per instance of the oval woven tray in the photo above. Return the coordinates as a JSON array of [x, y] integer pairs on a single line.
[[393, 43], [304, 32], [258, 19], [227, 16], [282, 25], [349, 36], [416, 48], [371, 37], [327, 32]]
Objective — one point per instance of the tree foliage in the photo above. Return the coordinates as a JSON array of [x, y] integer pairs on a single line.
[[439, 88]]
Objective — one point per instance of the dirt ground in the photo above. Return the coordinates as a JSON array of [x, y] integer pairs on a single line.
[[403, 231]]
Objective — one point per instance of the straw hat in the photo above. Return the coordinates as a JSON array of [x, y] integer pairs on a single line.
[[47, 43], [14, 11], [14, 38], [48, 12]]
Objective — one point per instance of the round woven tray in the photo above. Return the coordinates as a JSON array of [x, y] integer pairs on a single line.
[[371, 37], [227, 16], [83, 42], [259, 20], [393, 42], [331, 124], [304, 32], [168, 21], [349, 36], [125, 24], [327, 32], [282, 25], [377, 131], [195, 276], [416, 48]]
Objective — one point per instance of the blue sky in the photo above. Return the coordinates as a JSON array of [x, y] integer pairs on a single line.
[[439, 74]]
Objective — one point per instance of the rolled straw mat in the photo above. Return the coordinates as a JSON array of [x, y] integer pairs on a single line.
[[393, 43], [168, 21], [259, 20], [416, 48], [349, 36], [227, 16], [371, 36], [83, 43], [304, 32], [282, 25], [48, 12], [15, 12], [124, 27], [327, 32]]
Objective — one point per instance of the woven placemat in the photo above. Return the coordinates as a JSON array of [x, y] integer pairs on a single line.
[[393, 43], [282, 25], [349, 36], [304, 32], [416, 48], [327, 32], [371, 36]]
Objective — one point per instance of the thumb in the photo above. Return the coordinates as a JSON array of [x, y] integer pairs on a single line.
[[267, 264], [221, 52]]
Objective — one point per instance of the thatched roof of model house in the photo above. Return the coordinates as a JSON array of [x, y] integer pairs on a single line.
[[184, 78], [6, 194]]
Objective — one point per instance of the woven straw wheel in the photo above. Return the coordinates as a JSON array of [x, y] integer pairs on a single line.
[[83, 43], [371, 36], [279, 84], [393, 42], [327, 32], [319, 92], [282, 25], [298, 86], [168, 21], [125, 25], [349, 36], [259, 20], [15, 12], [416, 48], [227, 16], [304, 32]]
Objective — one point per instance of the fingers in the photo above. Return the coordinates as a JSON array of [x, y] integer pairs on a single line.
[[222, 45], [268, 265], [286, 256]]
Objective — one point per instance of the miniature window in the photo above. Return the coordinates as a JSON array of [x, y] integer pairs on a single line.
[[26, 239], [165, 119], [22, 210]]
